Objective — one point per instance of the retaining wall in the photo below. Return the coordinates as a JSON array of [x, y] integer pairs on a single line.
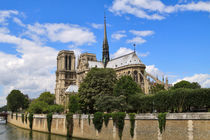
[[179, 126]]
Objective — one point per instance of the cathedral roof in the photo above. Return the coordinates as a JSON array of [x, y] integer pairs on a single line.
[[128, 59], [93, 64], [72, 88]]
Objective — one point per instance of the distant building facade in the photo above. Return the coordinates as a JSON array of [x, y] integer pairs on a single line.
[[69, 78]]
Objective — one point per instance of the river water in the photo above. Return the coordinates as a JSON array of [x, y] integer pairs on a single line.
[[11, 132]]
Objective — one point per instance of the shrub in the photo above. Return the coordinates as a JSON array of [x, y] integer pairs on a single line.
[[70, 124], [22, 116], [49, 121], [98, 120], [162, 121], [30, 118], [132, 123], [106, 118]]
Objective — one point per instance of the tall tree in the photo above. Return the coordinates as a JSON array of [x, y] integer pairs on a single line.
[[17, 100], [126, 86], [98, 82], [186, 84]]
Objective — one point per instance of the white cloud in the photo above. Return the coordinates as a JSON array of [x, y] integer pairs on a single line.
[[151, 69], [5, 14], [142, 33], [155, 9], [202, 79], [136, 40], [118, 35], [4, 30], [121, 51], [18, 21], [97, 26], [144, 54], [60, 32]]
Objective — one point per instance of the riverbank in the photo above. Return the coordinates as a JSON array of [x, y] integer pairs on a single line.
[[179, 126]]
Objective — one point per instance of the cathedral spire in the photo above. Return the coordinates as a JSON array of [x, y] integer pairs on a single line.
[[105, 56]]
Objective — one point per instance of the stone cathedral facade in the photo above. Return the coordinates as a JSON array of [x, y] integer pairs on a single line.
[[69, 76]]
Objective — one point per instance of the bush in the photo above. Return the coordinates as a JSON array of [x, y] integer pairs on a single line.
[[49, 121], [22, 116], [98, 121], [30, 118], [132, 123], [70, 124], [106, 118], [162, 121]]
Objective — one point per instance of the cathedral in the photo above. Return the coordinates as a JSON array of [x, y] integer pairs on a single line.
[[69, 76]]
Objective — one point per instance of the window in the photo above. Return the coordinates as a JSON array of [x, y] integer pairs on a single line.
[[65, 62], [69, 62]]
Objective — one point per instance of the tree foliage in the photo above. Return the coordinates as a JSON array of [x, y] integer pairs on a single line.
[[98, 82], [186, 84], [45, 104], [74, 105], [17, 100]]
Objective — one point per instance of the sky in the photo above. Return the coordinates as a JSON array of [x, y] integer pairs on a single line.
[[172, 38]]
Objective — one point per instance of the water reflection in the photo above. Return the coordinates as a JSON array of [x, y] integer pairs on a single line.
[[11, 132]]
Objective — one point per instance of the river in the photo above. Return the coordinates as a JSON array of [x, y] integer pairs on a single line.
[[11, 132]]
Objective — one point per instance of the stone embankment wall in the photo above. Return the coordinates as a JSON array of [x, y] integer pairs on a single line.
[[179, 126]]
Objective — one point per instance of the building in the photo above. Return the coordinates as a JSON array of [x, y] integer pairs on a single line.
[[69, 78]]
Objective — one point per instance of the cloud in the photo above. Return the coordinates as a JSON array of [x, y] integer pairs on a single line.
[[5, 14], [18, 21], [60, 32], [97, 26], [118, 35], [202, 79], [154, 9], [123, 51], [142, 33], [136, 40], [151, 69], [144, 54]]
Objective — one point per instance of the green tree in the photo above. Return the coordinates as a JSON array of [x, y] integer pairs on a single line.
[[98, 82], [3, 108], [74, 105], [126, 86], [186, 84], [17, 100], [47, 97], [45, 104]]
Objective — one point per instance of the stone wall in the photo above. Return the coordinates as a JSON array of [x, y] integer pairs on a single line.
[[179, 126]]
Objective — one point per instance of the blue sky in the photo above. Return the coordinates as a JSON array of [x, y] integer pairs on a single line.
[[172, 38]]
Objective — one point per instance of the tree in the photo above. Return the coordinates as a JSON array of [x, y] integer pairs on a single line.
[[45, 104], [126, 86], [186, 84], [156, 88], [3, 108], [98, 82], [47, 97], [17, 100], [74, 103]]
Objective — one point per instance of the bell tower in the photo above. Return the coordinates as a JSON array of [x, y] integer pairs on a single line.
[[105, 55], [65, 74]]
